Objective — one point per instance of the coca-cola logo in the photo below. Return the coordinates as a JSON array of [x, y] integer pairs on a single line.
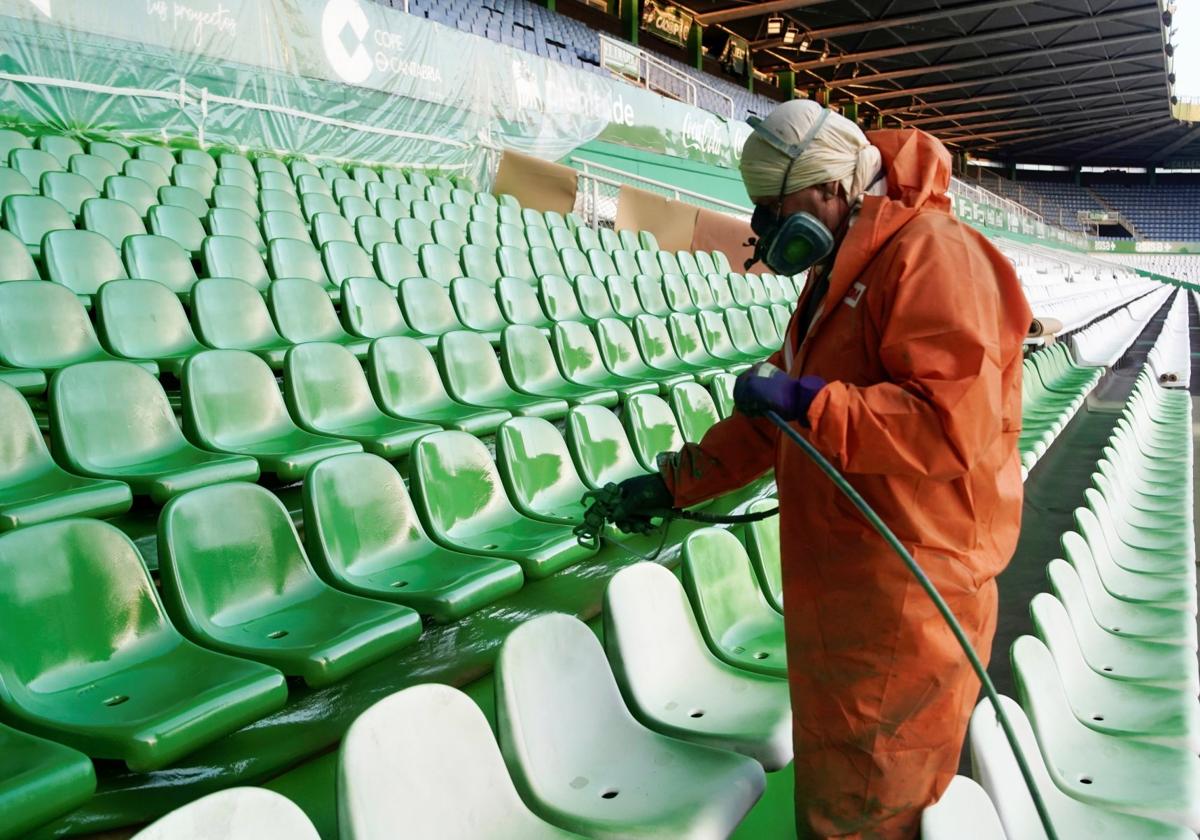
[[703, 134]]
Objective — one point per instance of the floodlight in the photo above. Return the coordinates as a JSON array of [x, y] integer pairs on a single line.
[[790, 34], [825, 54], [774, 25], [805, 43]]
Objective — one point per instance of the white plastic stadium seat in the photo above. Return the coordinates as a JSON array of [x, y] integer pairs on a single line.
[[243, 813], [964, 811]]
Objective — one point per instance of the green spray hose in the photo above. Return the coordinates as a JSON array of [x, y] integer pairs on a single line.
[[884, 531]]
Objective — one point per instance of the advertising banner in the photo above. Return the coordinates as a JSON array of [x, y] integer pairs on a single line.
[[1129, 246], [667, 21]]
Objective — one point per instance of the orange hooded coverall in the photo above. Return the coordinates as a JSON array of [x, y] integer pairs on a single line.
[[919, 337]]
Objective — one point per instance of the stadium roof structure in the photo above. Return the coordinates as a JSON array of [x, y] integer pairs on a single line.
[[1057, 81]]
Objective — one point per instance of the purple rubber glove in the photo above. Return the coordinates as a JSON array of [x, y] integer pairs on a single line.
[[766, 388]]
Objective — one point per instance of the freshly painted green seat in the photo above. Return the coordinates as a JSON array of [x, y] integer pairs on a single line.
[[485, 213], [558, 299], [1156, 552], [539, 237], [528, 363], [511, 236], [700, 291], [230, 197], [34, 163], [178, 225], [195, 177], [113, 420], [472, 375], [327, 393], [364, 537], [13, 182], [715, 333], [652, 428], [28, 382], [764, 328], [580, 361], [721, 290], [449, 234], [235, 579], [395, 263], [1175, 592], [235, 179], [519, 303], [425, 212], [545, 261], [110, 676], [678, 297], [672, 682], [142, 319], [762, 544], [476, 307], [281, 224], [304, 313], [147, 171], [43, 327], [600, 447], [15, 262], [232, 404], [405, 381], [590, 766], [31, 217], [1122, 774], [428, 308], [355, 207], [370, 310], [11, 139], [602, 264], [230, 314], [232, 256], [81, 260], [459, 493], [413, 233], [132, 191], [184, 198], [426, 758], [293, 258], [739, 623], [689, 344], [240, 813], [483, 235], [650, 294], [331, 227], [538, 471], [69, 190], [742, 334], [33, 488], [159, 258], [439, 263], [226, 221], [996, 769], [371, 230], [112, 219], [277, 193], [113, 152], [514, 262], [621, 355], [624, 297], [479, 261], [609, 239], [573, 260], [60, 146], [39, 780], [694, 410], [626, 264]]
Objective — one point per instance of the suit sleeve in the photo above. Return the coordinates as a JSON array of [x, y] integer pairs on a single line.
[[940, 345]]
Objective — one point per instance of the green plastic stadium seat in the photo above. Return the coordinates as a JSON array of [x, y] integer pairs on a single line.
[[483, 234], [60, 146], [232, 256], [371, 230], [763, 323], [425, 212], [620, 353], [158, 155], [514, 262], [647, 263], [672, 682], [113, 420], [28, 382], [580, 361], [44, 327], [1132, 549], [280, 224], [594, 303], [403, 762], [408, 194], [427, 307], [545, 261], [232, 404], [269, 164], [226, 221], [591, 766], [112, 219], [563, 239], [236, 198], [193, 177], [312, 184], [667, 262], [243, 813], [459, 493], [485, 213], [650, 295], [279, 201], [148, 172], [229, 314], [694, 409], [626, 264], [472, 375], [69, 190], [700, 291], [33, 488], [158, 258], [629, 240], [395, 263], [331, 227], [476, 306], [31, 217], [519, 303], [405, 381], [1134, 587], [112, 152], [39, 780], [689, 344], [538, 471], [9, 140], [303, 312], [717, 340], [600, 447], [762, 543], [112, 687], [273, 182], [34, 163], [679, 298], [179, 225], [573, 260], [413, 233], [235, 579], [327, 393], [448, 234], [722, 293], [81, 260], [742, 334], [963, 810], [654, 341], [539, 237], [511, 236], [370, 309], [624, 297], [133, 191], [364, 537], [528, 363], [652, 428], [233, 179], [743, 296], [439, 263], [739, 624], [455, 214], [479, 262], [293, 258], [142, 319], [558, 299], [13, 182], [184, 198], [588, 239]]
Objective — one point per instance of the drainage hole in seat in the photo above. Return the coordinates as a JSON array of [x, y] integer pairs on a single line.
[[762, 654], [116, 700], [399, 584], [696, 713], [278, 634], [1097, 717], [609, 794], [1106, 668], [490, 547], [1085, 780]]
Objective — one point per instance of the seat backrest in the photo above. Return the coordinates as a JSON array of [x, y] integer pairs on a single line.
[[371, 230], [526, 357], [701, 293], [279, 200], [647, 263], [68, 189], [476, 305], [60, 146], [230, 314], [346, 259], [24, 451], [427, 306], [120, 614], [43, 325], [469, 367], [652, 428], [143, 319], [110, 414], [456, 486], [536, 466], [331, 227], [228, 221], [228, 553], [395, 263], [33, 163], [519, 303], [303, 312], [618, 348], [762, 543], [484, 234], [15, 262], [229, 197], [232, 256], [722, 291], [439, 263], [449, 234], [686, 338], [158, 258], [694, 410], [293, 258], [177, 224], [244, 813], [184, 198], [600, 447], [558, 299], [514, 262], [593, 298], [413, 233], [31, 217], [425, 212], [326, 387], [81, 260], [545, 262], [230, 396], [653, 338], [624, 296], [13, 182], [576, 350], [479, 262], [719, 579], [371, 309], [403, 375]]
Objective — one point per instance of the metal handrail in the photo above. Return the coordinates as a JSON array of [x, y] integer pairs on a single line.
[[634, 65]]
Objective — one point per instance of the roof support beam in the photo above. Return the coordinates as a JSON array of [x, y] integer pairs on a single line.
[[1175, 145], [1139, 133], [753, 10], [934, 104], [978, 37], [900, 20], [1039, 136], [1027, 106], [1057, 129], [1074, 46], [1149, 55]]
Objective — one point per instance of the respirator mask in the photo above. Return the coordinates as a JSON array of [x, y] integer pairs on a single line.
[[791, 244]]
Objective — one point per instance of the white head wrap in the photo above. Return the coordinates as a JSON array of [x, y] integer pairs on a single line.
[[839, 151]]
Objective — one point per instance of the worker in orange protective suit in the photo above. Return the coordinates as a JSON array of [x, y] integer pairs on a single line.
[[902, 365]]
